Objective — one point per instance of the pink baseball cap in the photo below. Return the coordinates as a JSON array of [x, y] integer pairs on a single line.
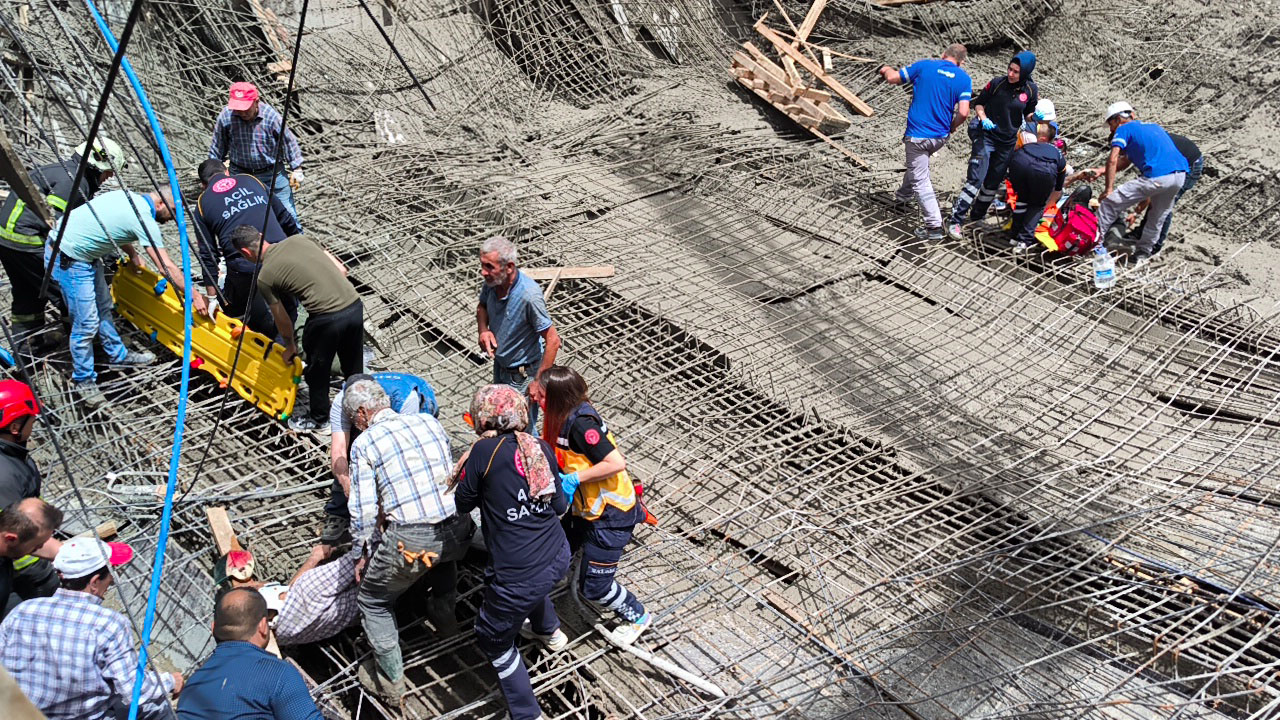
[[82, 556], [243, 95]]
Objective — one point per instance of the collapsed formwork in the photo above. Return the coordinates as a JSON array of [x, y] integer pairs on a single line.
[[896, 480]]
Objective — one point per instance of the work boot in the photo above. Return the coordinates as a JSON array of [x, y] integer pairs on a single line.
[[136, 358], [555, 642], [336, 530], [90, 395], [388, 691], [442, 612], [928, 234]]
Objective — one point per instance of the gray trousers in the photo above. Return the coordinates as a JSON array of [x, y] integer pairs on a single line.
[[1161, 190], [390, 573], [916, 181]]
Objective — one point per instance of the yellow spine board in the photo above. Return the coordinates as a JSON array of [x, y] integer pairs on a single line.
[[262, 376]]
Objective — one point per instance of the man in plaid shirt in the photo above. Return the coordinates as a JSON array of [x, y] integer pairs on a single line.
[[248, 132], [399, 468], [320, 601], [73, 657]]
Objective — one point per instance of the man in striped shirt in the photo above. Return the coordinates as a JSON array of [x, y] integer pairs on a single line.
[[399, 469], [248, 132]]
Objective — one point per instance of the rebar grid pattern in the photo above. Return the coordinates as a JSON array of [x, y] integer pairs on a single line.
[[895, 479]]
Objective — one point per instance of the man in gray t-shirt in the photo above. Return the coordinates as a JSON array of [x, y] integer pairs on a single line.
[[515, 328]]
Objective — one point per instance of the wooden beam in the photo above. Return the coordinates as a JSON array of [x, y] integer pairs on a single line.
[[551, 286], [224, 538], [569, 273], [845, 93], [810, 19], [14, 172]]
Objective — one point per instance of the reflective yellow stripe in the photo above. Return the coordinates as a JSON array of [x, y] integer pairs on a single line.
[[20, 238], [8, 233], [13, 216], [56, 202], [25, 562]]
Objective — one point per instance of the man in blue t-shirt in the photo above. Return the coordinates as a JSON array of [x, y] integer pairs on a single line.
[[1147, 147], [514, 325], [939, 104]]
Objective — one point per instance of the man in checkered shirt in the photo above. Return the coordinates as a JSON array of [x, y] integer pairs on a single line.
[[399, 466], [73, 657], [320, 601], [248, 132]]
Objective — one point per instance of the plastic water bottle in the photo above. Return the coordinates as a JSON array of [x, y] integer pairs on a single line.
[[1104, 268]]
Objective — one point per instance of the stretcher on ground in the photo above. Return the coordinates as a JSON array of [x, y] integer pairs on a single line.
[[262, 376]]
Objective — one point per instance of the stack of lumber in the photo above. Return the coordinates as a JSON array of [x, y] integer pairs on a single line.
[[783, 87]]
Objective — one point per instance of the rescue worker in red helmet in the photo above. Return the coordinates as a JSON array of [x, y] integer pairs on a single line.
[[20, 478], [603, 502]]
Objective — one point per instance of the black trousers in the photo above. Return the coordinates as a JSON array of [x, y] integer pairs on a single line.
[[1033, 186], [337, 334], [235, 290], [25, 271]]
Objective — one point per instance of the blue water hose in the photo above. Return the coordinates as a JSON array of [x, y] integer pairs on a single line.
[[157, 568]]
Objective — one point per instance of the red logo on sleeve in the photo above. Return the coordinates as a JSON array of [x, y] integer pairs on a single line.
[[592, 436]]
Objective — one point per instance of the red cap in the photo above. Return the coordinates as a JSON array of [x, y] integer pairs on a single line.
[[243, 96]]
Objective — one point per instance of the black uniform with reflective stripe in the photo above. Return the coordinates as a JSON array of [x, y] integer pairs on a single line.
[[54, 180], [229, 202]]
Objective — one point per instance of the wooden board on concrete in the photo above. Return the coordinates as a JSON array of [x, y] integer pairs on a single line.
[[224, 538], [569, 273]]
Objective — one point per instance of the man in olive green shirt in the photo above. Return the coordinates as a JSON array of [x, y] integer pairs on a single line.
[[307, 272]]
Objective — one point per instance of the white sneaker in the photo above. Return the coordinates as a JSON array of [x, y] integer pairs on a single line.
[[555, 642], [955, 231], [629, 632]]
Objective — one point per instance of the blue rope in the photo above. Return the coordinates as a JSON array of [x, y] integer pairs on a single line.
[[157, 568]]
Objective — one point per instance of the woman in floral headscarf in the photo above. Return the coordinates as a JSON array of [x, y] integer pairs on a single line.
[[512, 477]]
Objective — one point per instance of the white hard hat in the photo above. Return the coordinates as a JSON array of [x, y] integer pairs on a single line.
[[1116, 108], [106, 155], [1045, 108]]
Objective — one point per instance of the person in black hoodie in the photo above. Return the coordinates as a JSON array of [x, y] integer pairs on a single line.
[[999, 111], [513, 477]]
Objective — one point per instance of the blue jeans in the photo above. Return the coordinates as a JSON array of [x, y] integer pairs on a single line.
[[520, 381], [89, 302], [988, 161], [1193, 175]]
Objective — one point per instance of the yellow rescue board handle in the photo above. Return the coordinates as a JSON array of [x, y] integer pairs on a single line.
[[262, 376]]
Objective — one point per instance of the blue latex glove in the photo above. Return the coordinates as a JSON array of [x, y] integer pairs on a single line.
[[988, 124], [569, 483], [1039, 116]]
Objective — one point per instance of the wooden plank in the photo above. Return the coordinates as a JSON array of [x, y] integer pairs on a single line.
[[224, 538], [789, 67], [569, 273], [551, 286], [14, 172], [772, 70], [810, 19], [845, 93], [816, 95]]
